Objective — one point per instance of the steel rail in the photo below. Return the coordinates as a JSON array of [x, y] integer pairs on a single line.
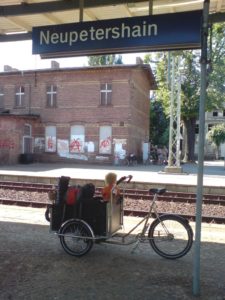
[[127, 212], [132, 194]]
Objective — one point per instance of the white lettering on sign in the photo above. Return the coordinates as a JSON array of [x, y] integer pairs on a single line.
[[124, 31]]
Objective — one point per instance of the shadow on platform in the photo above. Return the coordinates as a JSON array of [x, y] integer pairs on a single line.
[[34, 266]]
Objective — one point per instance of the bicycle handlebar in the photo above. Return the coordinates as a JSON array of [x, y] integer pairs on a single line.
[[124, 178]]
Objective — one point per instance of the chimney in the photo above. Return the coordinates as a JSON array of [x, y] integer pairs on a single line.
[[8, 68], [54, 64], [139, 61]]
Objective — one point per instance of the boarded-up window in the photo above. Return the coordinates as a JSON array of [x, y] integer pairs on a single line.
[[77, 139], [50, 139], [105, 140]]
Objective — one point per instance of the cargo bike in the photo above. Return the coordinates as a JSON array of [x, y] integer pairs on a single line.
[[84, 219]]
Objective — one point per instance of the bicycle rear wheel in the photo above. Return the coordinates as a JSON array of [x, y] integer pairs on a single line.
[[171, 236], [76, 237]]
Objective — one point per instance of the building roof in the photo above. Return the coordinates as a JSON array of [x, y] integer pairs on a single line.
[[18, 17], [143, 66]]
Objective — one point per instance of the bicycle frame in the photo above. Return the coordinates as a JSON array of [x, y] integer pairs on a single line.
[[77, 236], [140, 237]]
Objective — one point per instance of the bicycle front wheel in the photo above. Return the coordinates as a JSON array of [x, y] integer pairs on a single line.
[[171, 236], [76, 237]]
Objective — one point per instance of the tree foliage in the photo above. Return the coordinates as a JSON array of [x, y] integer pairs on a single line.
[[216, 136], [159, 134], [190, 87], [101, 60], [216, 69]]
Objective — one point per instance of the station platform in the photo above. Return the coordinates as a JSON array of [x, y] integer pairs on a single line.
[[34, 266], [143, 176]]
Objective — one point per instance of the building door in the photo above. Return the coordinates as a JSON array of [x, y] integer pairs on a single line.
[[27, 139]]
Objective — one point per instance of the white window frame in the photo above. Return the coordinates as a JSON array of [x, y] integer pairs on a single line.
[[51, 92], [20, 93], [1, 98], [107, 92]]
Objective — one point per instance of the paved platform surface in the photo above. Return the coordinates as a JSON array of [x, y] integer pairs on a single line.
[[33, 266], [214, 172]]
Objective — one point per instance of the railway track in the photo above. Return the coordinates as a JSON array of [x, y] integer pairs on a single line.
[[131, 194]]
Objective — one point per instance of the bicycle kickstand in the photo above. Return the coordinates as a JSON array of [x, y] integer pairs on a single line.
[[136, 244]]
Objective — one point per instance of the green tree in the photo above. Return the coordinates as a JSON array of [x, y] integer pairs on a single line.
[[216, 69], [159, 134], [190, 88], [216, 136], [100, 60]]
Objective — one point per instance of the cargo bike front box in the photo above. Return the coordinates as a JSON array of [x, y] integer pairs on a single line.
[[85, 220]]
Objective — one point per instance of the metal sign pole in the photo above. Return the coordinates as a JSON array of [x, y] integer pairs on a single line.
[[196, 266]]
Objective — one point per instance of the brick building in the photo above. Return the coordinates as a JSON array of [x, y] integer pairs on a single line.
[[80, 114]]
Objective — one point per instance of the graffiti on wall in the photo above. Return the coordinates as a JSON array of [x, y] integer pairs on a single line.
[[63, 151], [119, 145], [7, 144], [76, 145], [90, 146], [50, 145], [39, 144], [62, 147], [105, 145]]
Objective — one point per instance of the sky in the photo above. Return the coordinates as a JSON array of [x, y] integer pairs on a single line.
[[19, 55]]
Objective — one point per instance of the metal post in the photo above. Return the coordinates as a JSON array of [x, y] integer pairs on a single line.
[[81, 16], [197, 245], [170, 158], [174, 129], [178, 116], [150, 7]]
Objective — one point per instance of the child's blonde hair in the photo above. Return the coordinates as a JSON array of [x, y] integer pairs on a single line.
[[110, 178]]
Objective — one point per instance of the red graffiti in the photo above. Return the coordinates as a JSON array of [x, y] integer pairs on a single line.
[[50, 143], [7, 144], [105, 143], [76, 145]]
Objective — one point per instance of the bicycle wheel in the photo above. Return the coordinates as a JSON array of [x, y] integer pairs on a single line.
[[76, 239], [47, 214], [171, 236]]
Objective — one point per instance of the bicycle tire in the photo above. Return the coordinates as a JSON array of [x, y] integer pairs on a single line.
[[47, 214], [73, 239], [178, 240]]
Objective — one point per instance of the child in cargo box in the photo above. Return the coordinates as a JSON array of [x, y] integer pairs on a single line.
[[111, 184]]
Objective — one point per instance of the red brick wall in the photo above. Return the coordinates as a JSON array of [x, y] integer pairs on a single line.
[[11, 137], [78, 102]]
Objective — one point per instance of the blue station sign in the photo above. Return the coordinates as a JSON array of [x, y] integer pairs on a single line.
[[135, 34]]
